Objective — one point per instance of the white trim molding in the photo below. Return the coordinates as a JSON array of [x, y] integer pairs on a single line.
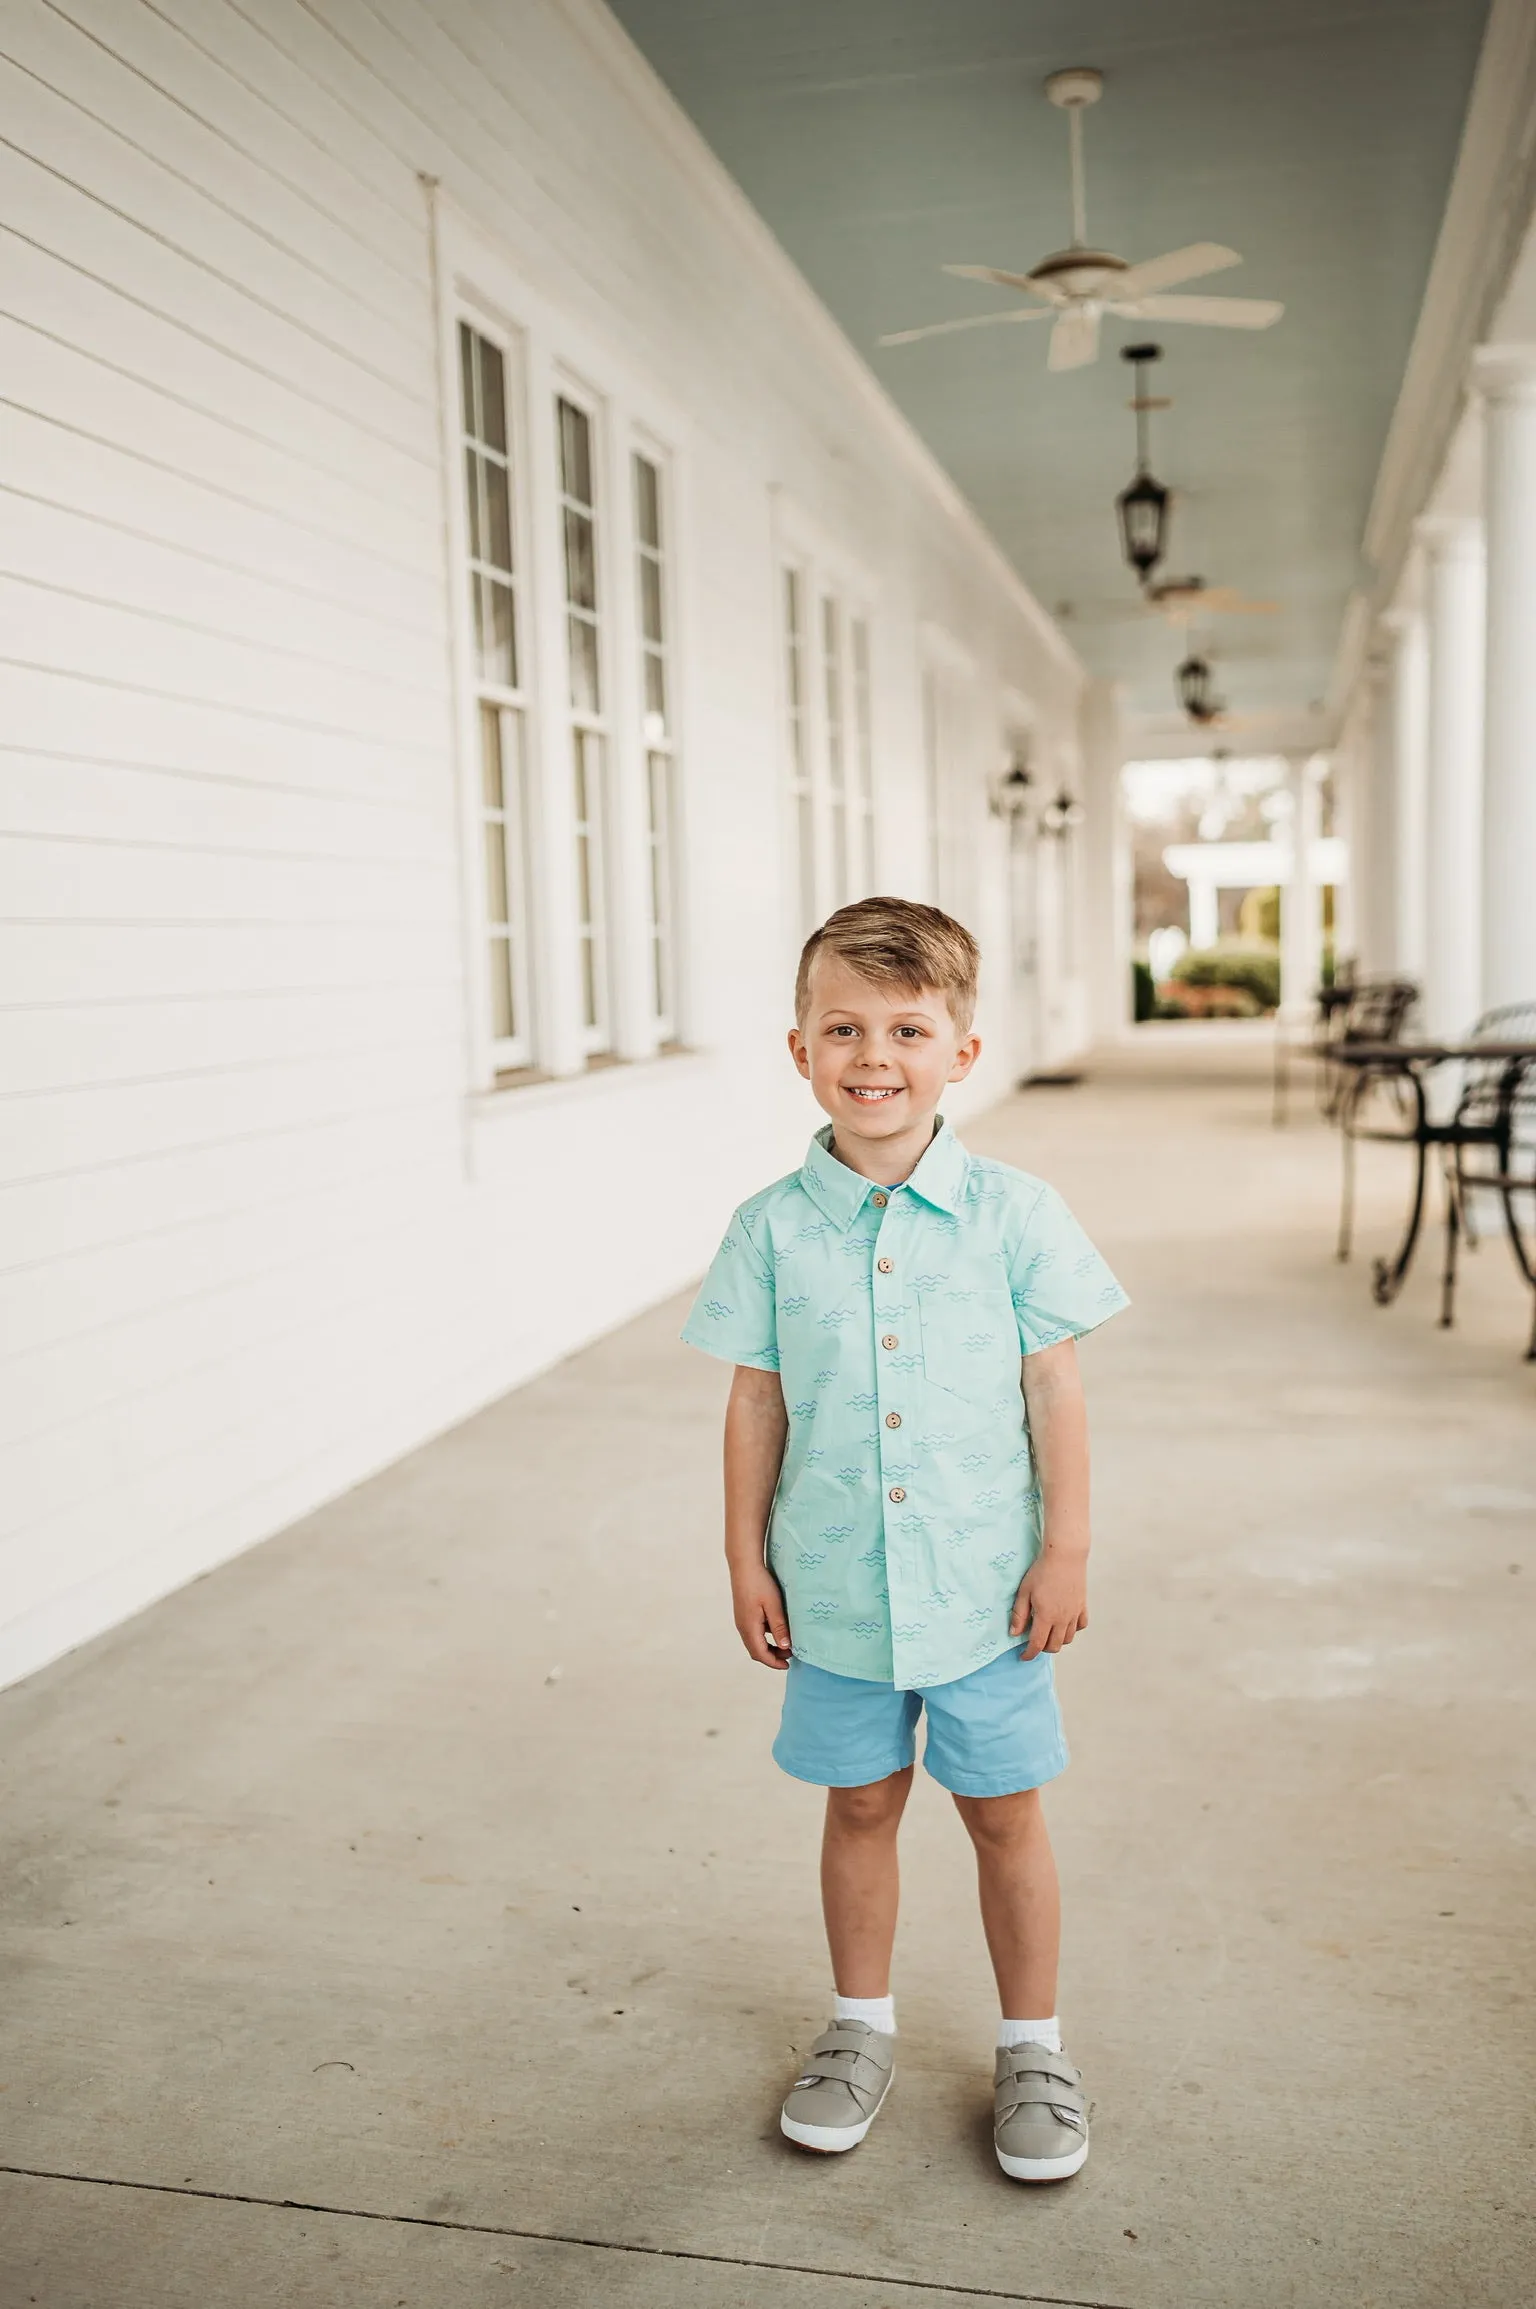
[[1487, 215]]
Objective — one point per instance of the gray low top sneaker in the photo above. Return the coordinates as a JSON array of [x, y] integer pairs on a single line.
[[837, 2095], [1041, 2121]]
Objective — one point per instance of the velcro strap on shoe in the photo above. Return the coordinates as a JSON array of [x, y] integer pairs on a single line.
[[1034, 2092], [1038, 2060], [863, 2094], [856, 2070], [835, 2039]]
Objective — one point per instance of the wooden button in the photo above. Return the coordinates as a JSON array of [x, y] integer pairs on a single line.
[[885, 1265], [890, 1340], [879, 1201], [896, 1493], [893, 1419]]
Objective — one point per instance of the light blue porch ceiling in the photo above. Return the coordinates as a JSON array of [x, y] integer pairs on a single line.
[[883, 138]]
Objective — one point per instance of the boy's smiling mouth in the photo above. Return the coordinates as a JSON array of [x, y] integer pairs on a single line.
[[871, 1093]]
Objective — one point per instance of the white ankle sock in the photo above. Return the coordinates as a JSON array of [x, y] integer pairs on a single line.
[[875, 2011], [1046, 2032]]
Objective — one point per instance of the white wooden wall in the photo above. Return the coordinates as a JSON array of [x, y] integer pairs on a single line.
[[260, 1232]]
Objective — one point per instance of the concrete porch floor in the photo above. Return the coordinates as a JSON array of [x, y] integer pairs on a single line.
[[409, 1913]]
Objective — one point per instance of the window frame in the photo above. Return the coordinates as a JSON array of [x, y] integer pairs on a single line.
[[548, 351], [590, 727], [828, 750], [519, 1051], [662, 884]]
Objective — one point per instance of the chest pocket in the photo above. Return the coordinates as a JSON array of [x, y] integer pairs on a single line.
[[970, 1342]]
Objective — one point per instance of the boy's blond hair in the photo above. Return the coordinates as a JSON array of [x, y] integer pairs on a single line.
[[897, 943]]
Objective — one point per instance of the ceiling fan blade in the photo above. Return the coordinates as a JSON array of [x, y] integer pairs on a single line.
[[1208, 312], [1046, 289], [1222, 601], [1074, 340], [1178, 265], [976, 321]]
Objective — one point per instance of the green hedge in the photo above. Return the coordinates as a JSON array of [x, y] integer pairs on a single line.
[[1143, 993], [1255, 969]]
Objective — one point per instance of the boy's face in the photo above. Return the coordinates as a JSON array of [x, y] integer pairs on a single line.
[[877, 1058]]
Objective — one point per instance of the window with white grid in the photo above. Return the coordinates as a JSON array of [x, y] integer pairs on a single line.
[[933, 779], [588, 724], [658, 740], [834, 737], [802, 791], [498, 630], [861, 766]]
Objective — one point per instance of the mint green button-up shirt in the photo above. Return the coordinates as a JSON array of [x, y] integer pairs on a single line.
[[907, 1508]]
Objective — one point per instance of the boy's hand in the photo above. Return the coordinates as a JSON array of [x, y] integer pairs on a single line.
[[1052, 1602], [759, 1611]]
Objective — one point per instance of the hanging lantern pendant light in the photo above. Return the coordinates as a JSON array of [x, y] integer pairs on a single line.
[[1143, 506], [1196, 686]]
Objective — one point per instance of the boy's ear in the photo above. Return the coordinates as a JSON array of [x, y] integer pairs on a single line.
[[798, 1052], [965, 1058]]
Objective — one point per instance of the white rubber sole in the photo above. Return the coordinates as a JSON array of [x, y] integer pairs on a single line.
[[1044, 2168], [830, 2140]]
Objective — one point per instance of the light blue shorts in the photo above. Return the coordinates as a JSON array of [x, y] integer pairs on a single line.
[[990, 1733]]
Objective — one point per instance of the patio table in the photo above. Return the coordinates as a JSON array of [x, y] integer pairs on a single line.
[[1410, 1064]]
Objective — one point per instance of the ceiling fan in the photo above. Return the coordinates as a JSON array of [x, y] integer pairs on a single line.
[[1176, 599], [1078, 284]]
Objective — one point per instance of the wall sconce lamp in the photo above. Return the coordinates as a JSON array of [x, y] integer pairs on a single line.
[[1013, 788], [1060, 816]]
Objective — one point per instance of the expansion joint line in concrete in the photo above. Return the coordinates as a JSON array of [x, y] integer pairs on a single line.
[[560, 2237]]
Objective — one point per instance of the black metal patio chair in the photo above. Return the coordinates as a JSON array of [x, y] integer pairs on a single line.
[[1490, 1149], [1486, 1144], [1350, 1011]]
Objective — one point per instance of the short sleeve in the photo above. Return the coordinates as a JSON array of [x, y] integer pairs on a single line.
[[735, 1314], [1061, 1287]]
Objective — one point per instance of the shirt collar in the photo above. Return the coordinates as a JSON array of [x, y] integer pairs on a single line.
[[839, 1192]]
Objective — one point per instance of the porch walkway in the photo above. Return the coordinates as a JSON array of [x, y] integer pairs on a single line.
[[409, 1913]]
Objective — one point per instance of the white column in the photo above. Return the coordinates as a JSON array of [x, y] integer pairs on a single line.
[[1372, 830], [1405, 718], [1454, 818], [1204, 912], [1106, 875], [1301, 905], [1507, 375]]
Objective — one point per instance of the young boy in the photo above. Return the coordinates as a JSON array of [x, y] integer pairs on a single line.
[[903, 1531]]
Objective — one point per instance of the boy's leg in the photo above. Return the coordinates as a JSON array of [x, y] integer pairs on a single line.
[[860, 1882], [1040, 2112], [1020, 1898]]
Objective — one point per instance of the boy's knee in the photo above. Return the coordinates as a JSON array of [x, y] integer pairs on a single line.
[[1000, 1820], [866, 1810]]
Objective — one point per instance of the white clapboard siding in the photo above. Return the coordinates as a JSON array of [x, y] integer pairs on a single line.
[[85, 391], [284, 110], [189, 253], [113, 801], [73, 300], [64, 961], [57, 466], [202, 121], [46, 544], [112, 1042], [70, 712], [118, 641], [261, 1228]]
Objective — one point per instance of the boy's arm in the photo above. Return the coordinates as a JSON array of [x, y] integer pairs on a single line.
[[1052, 1601], [756, 1425]]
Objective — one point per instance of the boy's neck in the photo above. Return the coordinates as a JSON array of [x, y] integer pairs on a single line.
[[888, 1161]]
